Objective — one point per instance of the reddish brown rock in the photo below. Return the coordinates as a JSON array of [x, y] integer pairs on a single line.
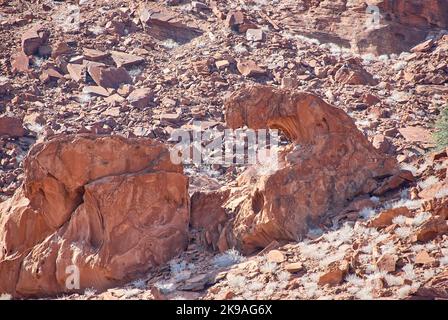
[[20, 62], [385, 218], [432, 228], [141, 97], [353, 73], [234, 19], [396, 26], [96, 90], [425, 14], [237, 21], [416, 134], [435, 288], [76, 71], [164, 25], [392, 183], [431, 191], [112, 207], [33, 38], [424, 46], [423, 257], [384, 144], [438, 207], [202, 67], [123, 59], [208, 215], [94, 55], [50, 74], [360, 203], [60, 48], [437, 224], [335, 275], [335, 160], [108, 77], [11, 126], [387, 262], [370, 99], [249, 68]]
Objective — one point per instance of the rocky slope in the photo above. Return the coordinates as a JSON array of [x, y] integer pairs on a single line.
[[91, 92]]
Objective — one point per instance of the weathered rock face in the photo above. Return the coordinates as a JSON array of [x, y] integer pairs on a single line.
[[331, 163], [110, 206], [416, 13], [209, 214], [397, 26]]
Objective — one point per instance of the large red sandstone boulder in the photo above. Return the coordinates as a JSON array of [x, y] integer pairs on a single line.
[[112, 207], [330, 163]]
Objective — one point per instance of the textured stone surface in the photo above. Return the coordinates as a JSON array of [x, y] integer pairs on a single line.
[[113, 207], [11, 126], [331, 163]]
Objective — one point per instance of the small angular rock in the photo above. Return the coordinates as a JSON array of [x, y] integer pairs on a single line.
[[33, 38], [140, 98], [108, 77], [11, 126], [254, 35], [249, 68], [123, 59], [275, 256]]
